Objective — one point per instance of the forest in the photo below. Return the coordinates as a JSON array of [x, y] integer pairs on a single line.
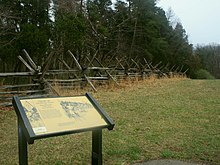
[[132, 29]]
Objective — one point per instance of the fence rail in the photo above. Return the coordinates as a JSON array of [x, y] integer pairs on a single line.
[[44, 79]]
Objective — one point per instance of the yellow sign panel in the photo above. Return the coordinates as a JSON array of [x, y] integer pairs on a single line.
[[52, 115]]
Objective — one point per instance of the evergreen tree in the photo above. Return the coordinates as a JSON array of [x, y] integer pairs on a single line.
[[132, 29], [29, 29]]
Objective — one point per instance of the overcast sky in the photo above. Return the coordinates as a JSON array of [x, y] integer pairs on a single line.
[[200, 18]]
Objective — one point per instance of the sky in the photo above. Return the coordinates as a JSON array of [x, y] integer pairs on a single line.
[[200, 19]]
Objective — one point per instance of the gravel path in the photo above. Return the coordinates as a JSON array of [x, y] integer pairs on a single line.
[[167, 162]]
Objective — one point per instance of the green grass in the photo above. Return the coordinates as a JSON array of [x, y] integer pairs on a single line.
[[161, 119]]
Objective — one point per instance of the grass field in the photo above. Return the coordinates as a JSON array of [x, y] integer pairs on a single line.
[[156, 119]]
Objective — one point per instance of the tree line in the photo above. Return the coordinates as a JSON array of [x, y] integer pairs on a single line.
[[132, 29]]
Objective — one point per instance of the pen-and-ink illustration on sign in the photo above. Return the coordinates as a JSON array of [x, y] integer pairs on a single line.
[[51, 115], [75, 109], [34, 118]]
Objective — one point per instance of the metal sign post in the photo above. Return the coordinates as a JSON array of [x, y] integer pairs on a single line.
[[97, 147], [22, 145]]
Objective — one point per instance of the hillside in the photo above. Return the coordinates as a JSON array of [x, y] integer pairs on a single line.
[[155, 119]]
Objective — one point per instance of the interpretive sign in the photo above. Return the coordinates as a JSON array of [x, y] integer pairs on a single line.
[[61, 114], [46, 117]]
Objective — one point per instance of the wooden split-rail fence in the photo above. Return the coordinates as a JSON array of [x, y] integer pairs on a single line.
[[41, 81]]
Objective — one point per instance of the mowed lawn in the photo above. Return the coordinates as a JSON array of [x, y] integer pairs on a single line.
[[155, 119]]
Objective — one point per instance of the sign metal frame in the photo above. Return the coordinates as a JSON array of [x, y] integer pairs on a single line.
[[26, 134]]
